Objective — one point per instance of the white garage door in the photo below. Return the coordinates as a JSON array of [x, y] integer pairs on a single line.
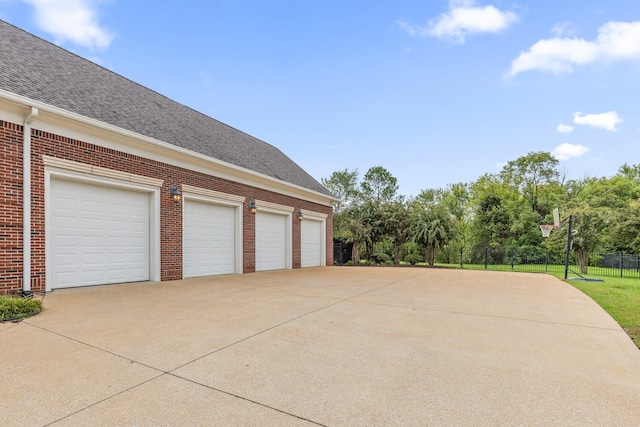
[[271, 241], [209, 239], [99, 234], [311, 243]]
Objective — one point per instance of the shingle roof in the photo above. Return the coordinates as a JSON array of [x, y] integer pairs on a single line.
[[36, 69]]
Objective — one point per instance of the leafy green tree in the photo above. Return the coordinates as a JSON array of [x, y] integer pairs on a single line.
[[625, 229], [455, 199], [371, 214], [432, 226], [357, 231], [573, 188], [530, 173], [588, 232], [378, 185], [491, 204], [525, 229], [492, 222], [614, 192], [499, 210], [631, 172], [395, 219], [344, 185]]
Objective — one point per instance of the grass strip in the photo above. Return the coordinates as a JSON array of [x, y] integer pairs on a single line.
[[12, 308]]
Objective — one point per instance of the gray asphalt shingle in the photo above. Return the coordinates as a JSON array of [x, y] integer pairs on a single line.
[[39, 70]]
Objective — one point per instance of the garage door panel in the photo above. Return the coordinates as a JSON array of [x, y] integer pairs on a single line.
[[271, 241], [90, 260], [65, 277], [209, 239], [311, 243], [66, 241], [99, 235], [117, 242], [92, 207], [65, 259], [64, 223], [62, 203], [95, 224]]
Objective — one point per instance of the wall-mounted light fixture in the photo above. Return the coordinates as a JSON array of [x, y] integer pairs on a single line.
[[300, 215], [175, 193], [252, 206]]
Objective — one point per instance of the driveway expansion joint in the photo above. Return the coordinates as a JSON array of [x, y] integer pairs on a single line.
[[246, 399], [103, 400], [96, 348], [291, 320]]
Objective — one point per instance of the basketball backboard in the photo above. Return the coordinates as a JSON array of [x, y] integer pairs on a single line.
[[556, 217]]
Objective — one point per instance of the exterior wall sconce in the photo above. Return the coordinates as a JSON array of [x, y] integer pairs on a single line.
[[175, 193], [300, 215], [252, 206]]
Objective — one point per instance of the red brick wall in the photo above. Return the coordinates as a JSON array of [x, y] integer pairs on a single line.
[[11, 208], [44, 143]]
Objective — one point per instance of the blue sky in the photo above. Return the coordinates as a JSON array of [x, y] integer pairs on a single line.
[[435, 91]]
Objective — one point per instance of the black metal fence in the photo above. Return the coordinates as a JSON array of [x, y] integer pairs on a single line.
[[341, 252], [537, 259], [531, 258], [614, 264]]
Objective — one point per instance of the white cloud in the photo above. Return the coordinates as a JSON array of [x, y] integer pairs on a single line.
[[607, 121], [616, 41], [563, 29], [413, 30], [464, 18], [564, 128], [71, 20], [567, 151]]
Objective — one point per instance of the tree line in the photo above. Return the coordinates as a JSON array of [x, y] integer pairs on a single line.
[[500, 210]]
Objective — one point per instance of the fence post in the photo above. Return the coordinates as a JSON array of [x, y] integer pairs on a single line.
[[486, 256], [512, 250], [460, 257], [621, 259], [546, 260]]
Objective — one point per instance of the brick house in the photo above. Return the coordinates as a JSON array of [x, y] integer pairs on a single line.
[[123, 184]]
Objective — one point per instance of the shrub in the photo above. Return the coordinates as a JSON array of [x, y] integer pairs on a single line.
[[413, 259], [15, 308], [380, 258]]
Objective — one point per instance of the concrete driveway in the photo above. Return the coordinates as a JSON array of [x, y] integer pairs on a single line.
[[325, 346]]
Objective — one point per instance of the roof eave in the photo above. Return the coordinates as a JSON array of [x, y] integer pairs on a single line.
[[257, 179]]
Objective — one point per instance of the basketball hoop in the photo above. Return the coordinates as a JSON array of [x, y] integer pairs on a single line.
[[546, 229]]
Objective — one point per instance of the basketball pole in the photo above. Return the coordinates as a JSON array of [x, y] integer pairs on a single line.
[[566, 259], [558, 225]]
